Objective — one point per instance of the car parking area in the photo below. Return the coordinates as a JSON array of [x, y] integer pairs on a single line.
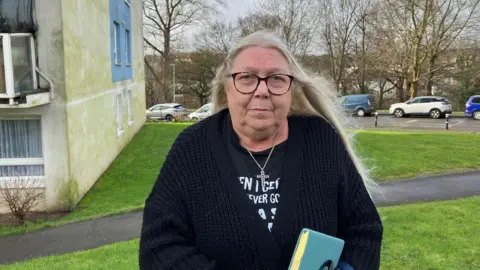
[[420, 123]]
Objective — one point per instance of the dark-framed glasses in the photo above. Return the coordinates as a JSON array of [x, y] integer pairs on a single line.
[[247, 83]]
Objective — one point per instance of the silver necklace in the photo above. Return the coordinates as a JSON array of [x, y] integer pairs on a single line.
[[262, 169]]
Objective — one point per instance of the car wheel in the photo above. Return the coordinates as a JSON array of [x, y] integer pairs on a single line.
[[435, 113], [360, 113], [476, 115], [195, 119], [169, 118], [399, 113]]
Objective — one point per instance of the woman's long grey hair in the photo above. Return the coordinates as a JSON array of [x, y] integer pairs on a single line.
[[311, 95]]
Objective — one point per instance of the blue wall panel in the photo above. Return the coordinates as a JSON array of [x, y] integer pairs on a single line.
[[120, 13]]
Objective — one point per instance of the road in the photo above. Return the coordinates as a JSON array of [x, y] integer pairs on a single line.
[[386, 121]]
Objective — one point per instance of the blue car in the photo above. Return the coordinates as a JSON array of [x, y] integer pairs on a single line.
[[360, 105], [472, 108]]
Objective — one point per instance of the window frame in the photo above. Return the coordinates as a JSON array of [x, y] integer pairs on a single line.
[[128, 47], [40, 179], [129, 106], [119, 114], [116, 44], [8, 64]]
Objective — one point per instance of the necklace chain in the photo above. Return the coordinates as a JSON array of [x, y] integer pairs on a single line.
[[262, 169]]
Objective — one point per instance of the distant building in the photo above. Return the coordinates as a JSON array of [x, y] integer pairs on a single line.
[[72, 92]]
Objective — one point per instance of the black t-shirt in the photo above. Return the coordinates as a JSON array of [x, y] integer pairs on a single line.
[[265, 199]]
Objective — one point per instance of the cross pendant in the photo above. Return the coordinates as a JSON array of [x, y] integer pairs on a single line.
[[263, 176]]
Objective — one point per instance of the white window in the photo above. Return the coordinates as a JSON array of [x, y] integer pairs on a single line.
[[116, 43], [127, 47], [129, 107], [119, 114], [21, 151], [17, 65]]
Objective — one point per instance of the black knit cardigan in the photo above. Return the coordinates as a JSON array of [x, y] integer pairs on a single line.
[[198, 217]]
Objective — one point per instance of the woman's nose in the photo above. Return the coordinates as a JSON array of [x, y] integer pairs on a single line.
[[262, 90]]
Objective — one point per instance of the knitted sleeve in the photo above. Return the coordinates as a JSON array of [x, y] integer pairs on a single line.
[[359, 222], [166, 240]]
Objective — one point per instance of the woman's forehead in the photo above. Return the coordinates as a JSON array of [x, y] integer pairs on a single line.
[[255, 59]]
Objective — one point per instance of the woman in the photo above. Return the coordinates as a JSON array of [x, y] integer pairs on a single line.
[[237, 188]]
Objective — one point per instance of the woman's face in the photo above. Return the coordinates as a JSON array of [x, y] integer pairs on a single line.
[[259, 110]]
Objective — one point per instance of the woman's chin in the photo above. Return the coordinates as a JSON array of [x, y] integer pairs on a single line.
[[261, 124]]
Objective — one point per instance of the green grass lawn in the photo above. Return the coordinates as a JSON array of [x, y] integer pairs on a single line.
[[438, 235], [126, 184], [395, 155]]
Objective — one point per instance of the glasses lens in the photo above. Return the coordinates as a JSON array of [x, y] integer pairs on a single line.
[[246, 82], [278, 84]]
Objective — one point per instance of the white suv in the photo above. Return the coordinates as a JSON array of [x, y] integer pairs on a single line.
[[436, 107]]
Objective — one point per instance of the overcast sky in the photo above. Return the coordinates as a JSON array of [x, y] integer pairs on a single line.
[[237, 8]]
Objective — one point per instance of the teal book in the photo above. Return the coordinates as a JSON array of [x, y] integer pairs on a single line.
[[315, 250]]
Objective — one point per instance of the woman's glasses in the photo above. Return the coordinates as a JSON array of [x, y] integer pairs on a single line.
[[247, 83]]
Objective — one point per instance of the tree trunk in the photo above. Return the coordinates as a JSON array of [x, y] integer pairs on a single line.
[[166, 68], [430, 75], [380, 98], [401, 95]]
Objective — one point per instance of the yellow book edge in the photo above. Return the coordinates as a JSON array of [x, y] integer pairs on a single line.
[[302, 244]]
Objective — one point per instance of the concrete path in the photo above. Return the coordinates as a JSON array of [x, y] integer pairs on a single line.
[[429, 188], [103, 231]]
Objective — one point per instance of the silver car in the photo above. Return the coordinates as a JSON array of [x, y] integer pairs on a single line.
[[166, 111]]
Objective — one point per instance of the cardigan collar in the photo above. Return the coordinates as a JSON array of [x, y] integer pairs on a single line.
[[268, 242]]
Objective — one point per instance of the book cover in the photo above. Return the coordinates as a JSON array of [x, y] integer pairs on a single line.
[[315, 250]]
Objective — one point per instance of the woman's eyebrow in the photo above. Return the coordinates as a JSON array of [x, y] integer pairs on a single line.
[[267, 71]]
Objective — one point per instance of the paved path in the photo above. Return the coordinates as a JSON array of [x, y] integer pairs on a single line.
[[95, 233], [429, 188]]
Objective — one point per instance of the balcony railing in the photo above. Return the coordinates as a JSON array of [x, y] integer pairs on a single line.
[[18, 72]]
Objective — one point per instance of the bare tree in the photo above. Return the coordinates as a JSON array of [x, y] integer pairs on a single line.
[[218, 37], [21, 197], [449, 20], [412, 18], [164, 19], [362, 42], [338, 25], [153, 80], [196, 73], [293, 20]]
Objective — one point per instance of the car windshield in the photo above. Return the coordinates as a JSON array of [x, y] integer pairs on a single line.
[[179, 107]]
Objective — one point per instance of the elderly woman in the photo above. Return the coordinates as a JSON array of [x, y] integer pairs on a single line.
[[237, 188]]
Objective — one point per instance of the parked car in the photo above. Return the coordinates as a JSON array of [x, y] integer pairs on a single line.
[[472, 108], [202, 113], [359, 105], [166, 111], [435, 107]]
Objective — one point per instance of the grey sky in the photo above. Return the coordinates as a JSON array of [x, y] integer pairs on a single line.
[[237, 8]]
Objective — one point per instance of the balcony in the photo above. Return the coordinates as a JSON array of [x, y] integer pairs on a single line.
[[19, 86]]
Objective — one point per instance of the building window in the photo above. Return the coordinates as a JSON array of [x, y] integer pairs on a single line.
[[119, 114], [127, 47], [129, 107], [21, 151], [121, 40], [116, 43], [17, 65]]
